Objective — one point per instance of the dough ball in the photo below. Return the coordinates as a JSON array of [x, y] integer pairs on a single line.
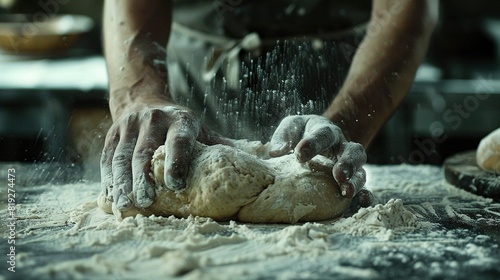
[[488, 152], [228, 183]]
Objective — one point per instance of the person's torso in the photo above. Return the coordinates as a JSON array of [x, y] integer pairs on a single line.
[[270, 18]]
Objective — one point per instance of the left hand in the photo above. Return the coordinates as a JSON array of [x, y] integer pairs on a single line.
[[311, 135]]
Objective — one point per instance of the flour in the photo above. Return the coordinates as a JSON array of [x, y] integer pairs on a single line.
[[379, 220], [402, 230], [192, 243]]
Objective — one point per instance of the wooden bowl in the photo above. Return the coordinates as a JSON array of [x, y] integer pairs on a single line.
[[22, 34]]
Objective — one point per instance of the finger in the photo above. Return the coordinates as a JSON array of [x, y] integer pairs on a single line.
[[287, 135], [179, 145], [365, 198], [351, 159], [212, 138], [122, 164], [108, 151], [151, 136], [350, 188], [320, 134]]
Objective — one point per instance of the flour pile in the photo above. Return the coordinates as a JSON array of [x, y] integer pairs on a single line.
[[408, 229], [380, 220]]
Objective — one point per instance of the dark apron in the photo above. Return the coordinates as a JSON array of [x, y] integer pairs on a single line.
[[242, 86]]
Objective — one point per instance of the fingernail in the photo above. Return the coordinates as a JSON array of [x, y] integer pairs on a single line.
[[123, 203], [365, 198], [305, 153], [142, 199], [347, 191], [174, 184], [345, 171]]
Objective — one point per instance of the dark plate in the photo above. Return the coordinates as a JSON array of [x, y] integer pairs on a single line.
[[462, 171]]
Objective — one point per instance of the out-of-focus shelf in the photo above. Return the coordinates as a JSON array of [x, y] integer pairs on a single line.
[[38, 98], [442, 114], [84, 74]]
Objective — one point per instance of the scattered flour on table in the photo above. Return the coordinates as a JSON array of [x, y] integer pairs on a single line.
[[379, 221], [194, 247], [171, 246]]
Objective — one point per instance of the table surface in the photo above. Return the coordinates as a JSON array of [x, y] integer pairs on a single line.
[[460, 240]]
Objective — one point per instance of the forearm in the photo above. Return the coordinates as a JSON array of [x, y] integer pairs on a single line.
[[135, 36], [383, 67]]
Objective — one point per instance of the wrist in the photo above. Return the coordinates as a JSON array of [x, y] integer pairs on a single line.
[[355, 116], [124, 100]]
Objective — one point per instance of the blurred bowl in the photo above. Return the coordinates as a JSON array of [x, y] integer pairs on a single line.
[[20, 34]]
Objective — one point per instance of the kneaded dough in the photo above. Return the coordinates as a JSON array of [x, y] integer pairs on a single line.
[[228, 183], [488, 152]]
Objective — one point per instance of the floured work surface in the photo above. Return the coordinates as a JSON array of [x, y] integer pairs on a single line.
[[421, 227]]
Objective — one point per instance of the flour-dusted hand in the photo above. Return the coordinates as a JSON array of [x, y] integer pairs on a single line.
[[311, 135], [130, 145]]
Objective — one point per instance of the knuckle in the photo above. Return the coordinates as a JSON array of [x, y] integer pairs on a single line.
[[130, 119], [107, 154], [184, 116], [289, 118], [183, 140], [323, 136], [153, 115], [335, 130], [146, 149], [141, 159], [105, 157], [357, 146], [293, 121], [355, 149], [122, 183], [112, 136], [121, 158]]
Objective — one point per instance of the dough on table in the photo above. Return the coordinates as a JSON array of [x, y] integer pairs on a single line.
[[228, 183], [488, 152]]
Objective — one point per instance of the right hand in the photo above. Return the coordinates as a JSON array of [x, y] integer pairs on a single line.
[[310, 135], [131, 142]]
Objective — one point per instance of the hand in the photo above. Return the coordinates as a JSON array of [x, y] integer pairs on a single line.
[[311, 135], [130, 145], [363, 199]]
